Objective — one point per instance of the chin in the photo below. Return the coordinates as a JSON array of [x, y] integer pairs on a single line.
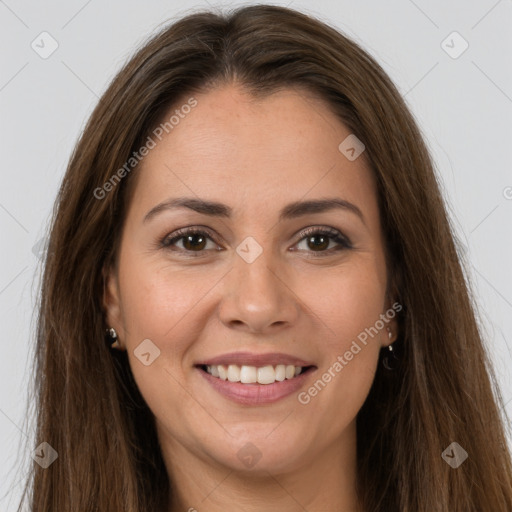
[[260, 450]]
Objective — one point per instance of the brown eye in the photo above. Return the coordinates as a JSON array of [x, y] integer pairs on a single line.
[[193, 241], [318, 239], [318, 242]]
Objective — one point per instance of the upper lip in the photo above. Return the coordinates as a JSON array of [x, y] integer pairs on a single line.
[[251, 359]]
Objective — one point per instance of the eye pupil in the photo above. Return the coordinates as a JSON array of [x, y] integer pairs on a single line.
[[187, 240], [322, 245]]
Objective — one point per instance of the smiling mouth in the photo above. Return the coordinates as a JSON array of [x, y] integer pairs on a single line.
[[245, 374]]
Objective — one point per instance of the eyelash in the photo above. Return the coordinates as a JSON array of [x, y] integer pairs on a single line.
[[344, 243]]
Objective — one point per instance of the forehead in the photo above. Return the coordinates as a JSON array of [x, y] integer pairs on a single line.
[[253, 152]]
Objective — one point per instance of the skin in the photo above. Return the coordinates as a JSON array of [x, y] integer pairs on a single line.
[[256, 156]]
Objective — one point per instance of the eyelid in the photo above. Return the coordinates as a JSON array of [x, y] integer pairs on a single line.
[[334, 233], [181, 233]]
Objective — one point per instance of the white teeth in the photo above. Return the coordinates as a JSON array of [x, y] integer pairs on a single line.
[[248, 374], [280, 372], [233, 373], [266, 375], [223, 372], [252, 374]]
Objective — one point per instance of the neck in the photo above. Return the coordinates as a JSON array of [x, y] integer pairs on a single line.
[[326, 481]]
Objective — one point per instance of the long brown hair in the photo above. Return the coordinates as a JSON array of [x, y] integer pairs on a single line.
[[88, 406]]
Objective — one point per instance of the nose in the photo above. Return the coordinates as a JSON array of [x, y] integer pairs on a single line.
[[258, 297]]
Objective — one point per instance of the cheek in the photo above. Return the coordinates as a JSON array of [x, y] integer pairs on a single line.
[[160, 305], [349, 305], [157, 300], [347, 301]]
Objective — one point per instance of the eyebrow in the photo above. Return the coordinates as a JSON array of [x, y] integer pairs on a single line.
[[290, 211]]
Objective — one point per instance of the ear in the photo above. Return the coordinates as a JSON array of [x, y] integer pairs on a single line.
[[393, 306], [112, 303], [391, 313]]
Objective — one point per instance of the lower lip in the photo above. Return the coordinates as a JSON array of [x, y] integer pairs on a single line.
[[256, 394]]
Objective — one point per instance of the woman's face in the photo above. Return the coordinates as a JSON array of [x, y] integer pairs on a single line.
[[253, 292]]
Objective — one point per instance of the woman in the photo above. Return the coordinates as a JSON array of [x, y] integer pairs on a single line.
[[252, 216]]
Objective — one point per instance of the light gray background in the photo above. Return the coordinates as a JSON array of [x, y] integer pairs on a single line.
[[463, 106]]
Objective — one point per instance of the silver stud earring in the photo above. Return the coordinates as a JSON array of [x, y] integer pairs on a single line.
[[112, 335], [390, 361]]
